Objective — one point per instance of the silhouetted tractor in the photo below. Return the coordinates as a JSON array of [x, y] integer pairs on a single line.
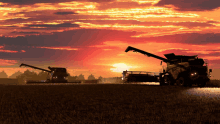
[[181, 70], [55, 74]]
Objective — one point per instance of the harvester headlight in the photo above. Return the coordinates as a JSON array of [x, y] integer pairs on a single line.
[[193, 74]]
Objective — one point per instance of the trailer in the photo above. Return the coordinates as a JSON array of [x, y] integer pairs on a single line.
[[139, 76]]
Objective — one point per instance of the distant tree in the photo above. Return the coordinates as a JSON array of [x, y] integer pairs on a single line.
[[27, 75], [21, 79], [31, 75], [71, 77], [91, 77], [16, 74], [42, 75], [3, 75], [81, 77], [100, 78]]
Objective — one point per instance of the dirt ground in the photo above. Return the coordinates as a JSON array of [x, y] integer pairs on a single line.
[[108, 103]]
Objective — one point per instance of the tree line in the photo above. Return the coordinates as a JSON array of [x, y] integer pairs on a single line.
[[42, 76]]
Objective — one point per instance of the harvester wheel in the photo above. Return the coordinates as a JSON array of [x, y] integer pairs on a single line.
[[167, 80], [162, 82], [181, 81]]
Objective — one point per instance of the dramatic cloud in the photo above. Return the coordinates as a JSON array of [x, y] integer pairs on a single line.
[[28, 2], [59, 48], [64, 13], [92, 35], [191, 5], [16, 32], [4, 62], [58, 25], [8, 51]]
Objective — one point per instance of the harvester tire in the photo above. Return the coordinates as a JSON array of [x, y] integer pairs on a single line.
[[168, 80], [181, 81], [162, 80]]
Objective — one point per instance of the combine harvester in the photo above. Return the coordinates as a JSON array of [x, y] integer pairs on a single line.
[[181, 70], [55, 75]]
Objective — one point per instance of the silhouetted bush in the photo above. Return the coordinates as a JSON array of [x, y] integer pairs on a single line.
[[42, 75], [91, 77], [27, 75], [16, 74], [81, 77], [3, 75], [100, 78]]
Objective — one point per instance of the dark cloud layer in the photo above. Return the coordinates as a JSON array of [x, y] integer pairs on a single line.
[[90, 37], [59, 25], [124, 4], [22, 32], [64, 13], [29, 2], [81, 37], [155, 23], [191, 5], [188, 38]]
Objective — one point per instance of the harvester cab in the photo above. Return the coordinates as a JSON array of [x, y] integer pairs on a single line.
[[55, 74], [181, 70]]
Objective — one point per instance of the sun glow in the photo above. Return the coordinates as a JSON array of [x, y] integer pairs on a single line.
[[120, 67]]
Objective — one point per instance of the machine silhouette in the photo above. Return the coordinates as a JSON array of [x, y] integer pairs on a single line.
[[55, 74], [181, 70]]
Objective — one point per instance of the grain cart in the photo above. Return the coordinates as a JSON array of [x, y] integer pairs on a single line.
[[55, 74], [139, 76], [180, 70]]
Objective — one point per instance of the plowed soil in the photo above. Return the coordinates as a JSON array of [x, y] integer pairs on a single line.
[[106, 103]]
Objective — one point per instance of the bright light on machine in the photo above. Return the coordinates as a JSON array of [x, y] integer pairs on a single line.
[[122, 78], [193, 73], [54, 77]]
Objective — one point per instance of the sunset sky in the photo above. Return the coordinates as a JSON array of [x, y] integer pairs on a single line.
[[90, 36]]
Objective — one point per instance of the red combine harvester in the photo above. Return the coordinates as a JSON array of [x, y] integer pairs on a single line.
[[181, 70]]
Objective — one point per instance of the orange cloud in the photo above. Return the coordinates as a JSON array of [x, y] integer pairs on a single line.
[[23, 51], [8, 51], [212, 57], [59, 48], [4, 62]]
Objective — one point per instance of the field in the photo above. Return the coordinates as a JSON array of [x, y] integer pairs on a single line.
[[108, 103]]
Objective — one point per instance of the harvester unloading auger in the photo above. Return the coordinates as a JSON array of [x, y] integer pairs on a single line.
[[181, 70], [57, 75]]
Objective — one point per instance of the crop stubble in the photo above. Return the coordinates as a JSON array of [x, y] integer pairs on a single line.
[[104, 103]]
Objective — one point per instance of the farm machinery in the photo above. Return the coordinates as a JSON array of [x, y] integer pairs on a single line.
[[181, 70], [55, 74], [139, 76]]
